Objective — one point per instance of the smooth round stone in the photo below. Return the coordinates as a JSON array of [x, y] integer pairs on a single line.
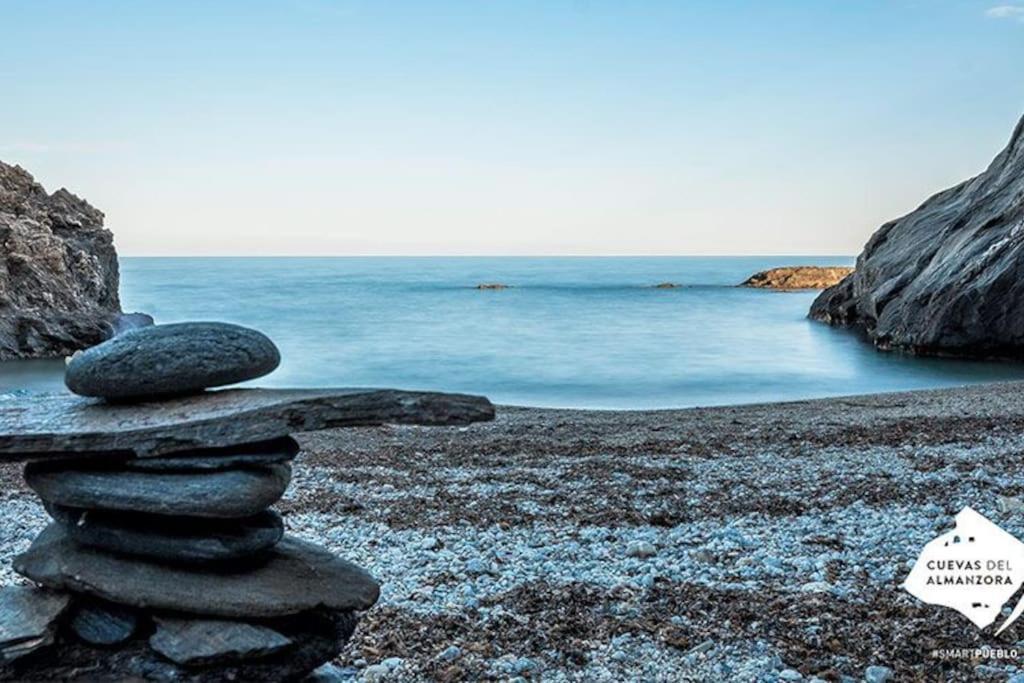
[[103, 623], [242, 492], [185, 540], [295, 577], [162, 360], [269, 452]]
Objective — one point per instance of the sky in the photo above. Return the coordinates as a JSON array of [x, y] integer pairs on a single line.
[[506, 127]]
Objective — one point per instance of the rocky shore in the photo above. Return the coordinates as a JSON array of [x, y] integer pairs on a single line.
[[798, 277], [742, 543]]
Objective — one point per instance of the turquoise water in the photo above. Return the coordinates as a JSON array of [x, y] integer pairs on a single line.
[[571, 332]]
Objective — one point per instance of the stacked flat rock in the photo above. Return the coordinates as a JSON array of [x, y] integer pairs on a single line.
[[165, 559]]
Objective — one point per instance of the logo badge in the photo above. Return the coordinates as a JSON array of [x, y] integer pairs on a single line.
[[975, 569]]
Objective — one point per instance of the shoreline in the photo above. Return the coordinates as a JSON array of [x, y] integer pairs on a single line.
[[734, 542]]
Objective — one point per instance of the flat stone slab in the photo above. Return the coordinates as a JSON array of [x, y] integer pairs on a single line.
[[295, 577], [52, 425], [222, 493], [201, 642], [181, 540], [203, 460], [27, 619], [176, 540], [162, 360]]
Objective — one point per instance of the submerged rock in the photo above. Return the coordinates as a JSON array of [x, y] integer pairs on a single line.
[[492, 285], [161, 360], [58, 270], [177, 540], [28, 619], [946, 279], [296, 576], [233, 493], [798, 277], [201, 642]]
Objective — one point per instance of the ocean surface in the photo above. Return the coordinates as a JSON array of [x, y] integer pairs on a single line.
[[569, 332]]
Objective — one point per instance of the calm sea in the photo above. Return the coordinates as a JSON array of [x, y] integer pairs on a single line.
[[570, 332]]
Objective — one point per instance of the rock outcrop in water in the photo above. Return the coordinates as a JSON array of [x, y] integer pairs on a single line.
[[947, 279], [798, 277], [58, 270]]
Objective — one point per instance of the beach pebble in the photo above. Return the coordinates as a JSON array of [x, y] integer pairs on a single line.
[[377, 672], [641, 549], [790, 675], [162, 360], [877, 674], [450, 653]]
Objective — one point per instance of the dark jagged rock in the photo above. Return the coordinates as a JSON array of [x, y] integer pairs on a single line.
[[295, 576], [103, 624], [175, 540], [202, 642], [203, 460], [58, 270], [317, 637], [163, 360], [51, 426], [28, 620], [798, 277], [222, 493], [947, 279]]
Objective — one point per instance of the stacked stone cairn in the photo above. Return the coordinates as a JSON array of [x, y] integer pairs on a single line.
[[164, 559]]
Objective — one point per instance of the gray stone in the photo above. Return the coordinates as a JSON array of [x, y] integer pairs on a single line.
[[316, 637], [947, 279], [28, 619], [182, 540], [58, 270], [52, 425], [235, 493], [263, 453], [294, 577], [877, 674], [103, 624], [202, 642], [162, 360]]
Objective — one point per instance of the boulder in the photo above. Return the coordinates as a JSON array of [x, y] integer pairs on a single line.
[[177, 540], [165, 360], [28, 619], [798, 277], [52, 425], [296, 576], [203, 642], [103, 624], [58, 270], [948, 278], [242, 492]]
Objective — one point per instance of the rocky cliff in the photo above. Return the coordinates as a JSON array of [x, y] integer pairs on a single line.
[[58, 270], [947, 279], [798, 277]]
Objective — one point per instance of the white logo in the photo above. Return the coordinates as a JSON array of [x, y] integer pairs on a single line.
[[974, 569]]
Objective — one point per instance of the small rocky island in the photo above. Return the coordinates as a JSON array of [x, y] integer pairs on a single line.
[[798, 277], [945, 280], [164, 560], [58, 271]]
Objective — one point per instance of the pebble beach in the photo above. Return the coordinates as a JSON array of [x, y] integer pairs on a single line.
[[750, 543]]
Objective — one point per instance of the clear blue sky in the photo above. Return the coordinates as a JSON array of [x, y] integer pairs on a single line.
[[506, 126]]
